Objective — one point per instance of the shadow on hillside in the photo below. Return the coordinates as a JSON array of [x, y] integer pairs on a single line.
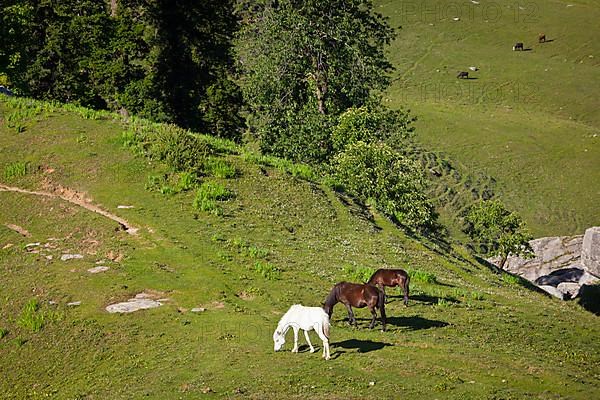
[[363, 346], [416, 323], [589, 298]]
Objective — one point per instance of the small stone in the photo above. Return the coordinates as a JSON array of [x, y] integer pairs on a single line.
[[32, 244], [125, 207], [98, 269], [74, 303], [7, 246], [372, 383], [50, 257], [66, 257], [198, 309]]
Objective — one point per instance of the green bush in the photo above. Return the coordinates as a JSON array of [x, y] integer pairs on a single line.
[[370, 125], [375, 172], [180, 150]]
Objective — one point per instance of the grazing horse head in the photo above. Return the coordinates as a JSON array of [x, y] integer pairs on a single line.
[[278, 339], [331, 300]]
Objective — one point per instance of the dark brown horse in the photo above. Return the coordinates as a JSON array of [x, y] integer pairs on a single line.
[[391, 277], [356, 295]]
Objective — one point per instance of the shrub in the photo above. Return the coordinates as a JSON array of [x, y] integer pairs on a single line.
[[396, 185], [180, 150]]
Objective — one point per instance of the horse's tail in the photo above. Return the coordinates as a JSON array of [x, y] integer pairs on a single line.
[[381, 305], [326, 326], [405, 288]]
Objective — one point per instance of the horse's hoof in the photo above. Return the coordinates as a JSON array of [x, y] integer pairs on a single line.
[[312, 350]]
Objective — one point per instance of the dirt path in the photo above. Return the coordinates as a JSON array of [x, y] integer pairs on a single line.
[[74, 197]]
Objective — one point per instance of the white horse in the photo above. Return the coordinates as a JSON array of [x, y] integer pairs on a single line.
[[305, 318]]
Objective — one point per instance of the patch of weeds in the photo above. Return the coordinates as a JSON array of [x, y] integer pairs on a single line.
[[257, 252], [3, 332], [267, 270], [302, 171], [217, 238], [422, 276], [31, 318], [16, 170], [220, 168], [442, 302], [477, 296], [358, 273], [510, 279], [19, 341], [208, 196], [81, 139], [171, 184]]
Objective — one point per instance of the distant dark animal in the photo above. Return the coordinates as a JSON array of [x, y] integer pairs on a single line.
[[5, 90], [392, 278], [518, 46], [356, 295], [463, 75], [542, 38]]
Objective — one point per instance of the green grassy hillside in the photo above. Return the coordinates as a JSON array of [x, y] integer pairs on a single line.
[[529, 119], [467, 334]]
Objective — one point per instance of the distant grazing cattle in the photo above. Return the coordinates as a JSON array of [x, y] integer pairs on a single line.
[[5, 90], [518, 46], [542, 38], [463, 75]]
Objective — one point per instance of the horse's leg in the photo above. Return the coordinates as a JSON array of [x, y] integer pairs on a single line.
[[325, 339], [295, 349], [383, 317], [405, 289], [312, 349], [374, 314], [351, 318]]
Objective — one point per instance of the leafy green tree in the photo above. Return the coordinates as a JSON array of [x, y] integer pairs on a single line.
[[371, 124], [497, 231], [308, 58], [375, 172]]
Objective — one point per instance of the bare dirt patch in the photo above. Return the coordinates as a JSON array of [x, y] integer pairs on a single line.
[[72, 196]]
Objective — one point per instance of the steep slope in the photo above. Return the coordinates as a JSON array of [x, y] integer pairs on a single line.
[[468, 333]]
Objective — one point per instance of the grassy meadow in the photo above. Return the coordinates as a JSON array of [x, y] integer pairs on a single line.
[[528, 119], [468, 333]]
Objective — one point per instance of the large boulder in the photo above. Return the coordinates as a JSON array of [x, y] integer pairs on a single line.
[[590, 251], [561, 265]]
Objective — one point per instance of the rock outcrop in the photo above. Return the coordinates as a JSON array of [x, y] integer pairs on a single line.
[[561, 265]]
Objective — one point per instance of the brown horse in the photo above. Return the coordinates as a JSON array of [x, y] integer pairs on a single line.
[[356, 295], [391, 277]]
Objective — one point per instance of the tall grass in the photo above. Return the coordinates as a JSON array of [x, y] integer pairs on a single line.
[[267, 270], [31, 318], [357, 273], [209, 195], [16, 170]]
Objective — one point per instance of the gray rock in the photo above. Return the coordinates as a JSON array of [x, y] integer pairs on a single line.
[[98, 269], [561, 264], [141, 301], [66, 257], [198, 309], [590, 251], [74, 303]]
